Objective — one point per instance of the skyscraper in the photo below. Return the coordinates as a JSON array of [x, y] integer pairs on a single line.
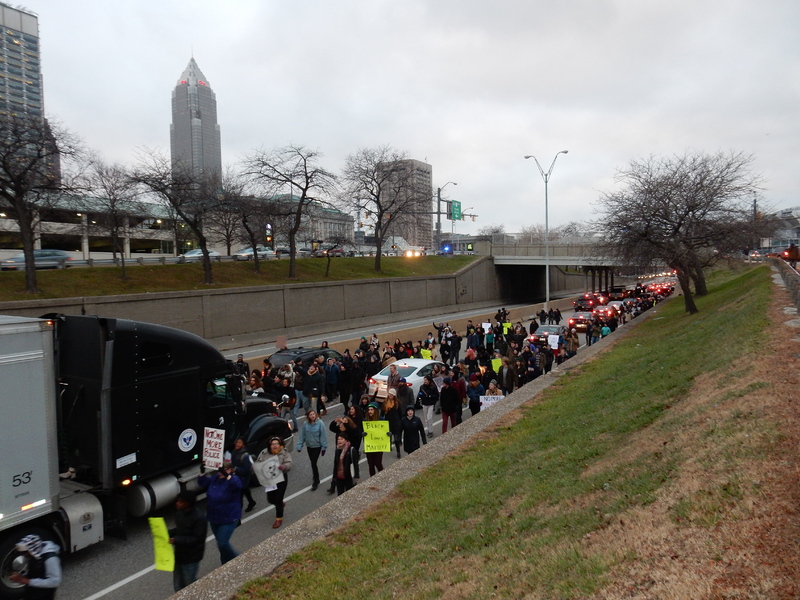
[[415, 224], [194, 133], [20, 67]]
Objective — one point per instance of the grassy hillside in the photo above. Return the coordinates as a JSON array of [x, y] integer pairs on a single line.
[[104, 281], [634, 476]]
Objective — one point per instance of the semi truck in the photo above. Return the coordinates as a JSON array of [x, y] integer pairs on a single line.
[[103, 418]]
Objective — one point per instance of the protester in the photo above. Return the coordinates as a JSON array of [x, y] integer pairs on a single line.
[[223, 506], [43, 575], [312, 435], [276, 491], [342, 462], [188, 538], [412, 431]]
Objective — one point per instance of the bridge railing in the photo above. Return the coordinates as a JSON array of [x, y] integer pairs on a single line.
[[556, 250]]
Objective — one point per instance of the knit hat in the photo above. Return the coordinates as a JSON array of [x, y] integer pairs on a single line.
[[32, 544], [447, 380], [372, 405], [474, 377], [392, 392]]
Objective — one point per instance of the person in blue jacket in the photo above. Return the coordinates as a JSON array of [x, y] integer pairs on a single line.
[[314, 437], [223, 507]]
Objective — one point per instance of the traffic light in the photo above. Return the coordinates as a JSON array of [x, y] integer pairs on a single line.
[[449, 210], [268, 234]]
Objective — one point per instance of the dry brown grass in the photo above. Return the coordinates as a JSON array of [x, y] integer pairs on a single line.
[[728, 525]]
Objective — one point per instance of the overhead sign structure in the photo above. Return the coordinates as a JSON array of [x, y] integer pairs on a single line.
[[455, 210]]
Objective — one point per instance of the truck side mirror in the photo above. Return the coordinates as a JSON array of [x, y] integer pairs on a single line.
[[236, 394]]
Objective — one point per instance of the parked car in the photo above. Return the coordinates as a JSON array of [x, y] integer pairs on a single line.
[[308, 355], [262, 252], [196, 255], [42, 259], [413, 369]]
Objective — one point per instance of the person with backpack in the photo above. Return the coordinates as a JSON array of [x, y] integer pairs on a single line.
[[44, 568]]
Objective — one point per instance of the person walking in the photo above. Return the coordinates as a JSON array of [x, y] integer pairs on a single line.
[[223, 506], [347, 427], [312, 435], [44, 567], [276, 492], [474, 392], [428, 396], [243, 467], [391, 412], [449, 400], [412, 431], [188, 539], [374, 459], [342, 463]]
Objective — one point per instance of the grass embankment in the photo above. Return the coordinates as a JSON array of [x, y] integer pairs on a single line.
[[107, 281], [563, 500]]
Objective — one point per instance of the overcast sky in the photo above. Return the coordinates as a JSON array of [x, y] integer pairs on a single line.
[[469, 86]]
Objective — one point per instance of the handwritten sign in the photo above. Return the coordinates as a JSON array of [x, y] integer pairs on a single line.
[[486, 327], [552, 341], [487, 401], [213, 447], [163, 550], [267, 471], [376, 439]]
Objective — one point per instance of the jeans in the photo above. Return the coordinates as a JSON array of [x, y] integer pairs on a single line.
[[222, 533], [451, 417], [184, 575], [301, 402], [313, 454], [287, 412], [428, 417]]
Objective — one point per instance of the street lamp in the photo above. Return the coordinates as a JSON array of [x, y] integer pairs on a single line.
[[439, 214], [546, 177]]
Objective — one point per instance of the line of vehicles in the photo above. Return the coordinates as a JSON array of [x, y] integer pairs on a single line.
[[102, 418], [602, 306]]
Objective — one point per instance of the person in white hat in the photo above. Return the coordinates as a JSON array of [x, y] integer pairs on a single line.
[[43, 575]]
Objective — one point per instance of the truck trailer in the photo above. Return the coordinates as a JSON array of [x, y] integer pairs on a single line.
[[104, 418]]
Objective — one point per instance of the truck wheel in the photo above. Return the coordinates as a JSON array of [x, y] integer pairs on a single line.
[[8, 552]]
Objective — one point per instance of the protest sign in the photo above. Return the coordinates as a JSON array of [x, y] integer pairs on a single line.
[[213, 447], [377, 438], [496, 364], [552, 341], [163, 550], [268, 472], [487, 401]]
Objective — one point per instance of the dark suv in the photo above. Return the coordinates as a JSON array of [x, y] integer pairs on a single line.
[[307, 355]]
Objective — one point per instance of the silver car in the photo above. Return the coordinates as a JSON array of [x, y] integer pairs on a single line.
[[43, 259], [263, 253]]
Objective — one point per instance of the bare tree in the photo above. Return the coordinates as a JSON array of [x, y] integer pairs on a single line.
[[684, 211], [377, 184], [492, 229], [224, 223], [31, 155], [114, 198], [191, 198], [292, 169]]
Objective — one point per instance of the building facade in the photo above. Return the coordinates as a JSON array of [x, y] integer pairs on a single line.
[[415, 223], [194, 133], [20, 63]]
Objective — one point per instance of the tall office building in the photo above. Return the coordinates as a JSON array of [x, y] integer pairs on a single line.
[[415, 225], [20, 67], [194, 133]]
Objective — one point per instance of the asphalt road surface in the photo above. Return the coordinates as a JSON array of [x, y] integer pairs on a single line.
[[118, 569]]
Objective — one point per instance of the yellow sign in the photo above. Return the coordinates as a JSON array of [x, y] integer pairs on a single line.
[[165, 553], [377, 438], [506, 328], [496, 364]]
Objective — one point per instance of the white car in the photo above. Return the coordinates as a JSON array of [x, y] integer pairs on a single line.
[[196, 255], [263, 254], [617, 305], [413, 369]]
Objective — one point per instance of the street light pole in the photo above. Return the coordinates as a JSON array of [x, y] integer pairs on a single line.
[[546, 177], [439, 215]]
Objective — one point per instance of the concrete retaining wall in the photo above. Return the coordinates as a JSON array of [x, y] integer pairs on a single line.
[[240, 316]]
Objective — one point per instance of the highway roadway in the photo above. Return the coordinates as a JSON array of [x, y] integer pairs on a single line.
[[123, 569]]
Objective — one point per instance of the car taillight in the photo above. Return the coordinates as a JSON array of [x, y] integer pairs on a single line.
[[372, 381]]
